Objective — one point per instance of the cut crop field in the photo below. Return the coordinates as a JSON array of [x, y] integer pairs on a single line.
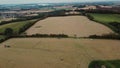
[[79, 26], [106, 18], [16, 26], [56, 53], [7, 19]]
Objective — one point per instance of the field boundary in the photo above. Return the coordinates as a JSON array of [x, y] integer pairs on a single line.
[[107, 25], [116, 37]]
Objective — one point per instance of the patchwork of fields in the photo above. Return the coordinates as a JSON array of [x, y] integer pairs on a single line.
[[70, 25], [56, 53]]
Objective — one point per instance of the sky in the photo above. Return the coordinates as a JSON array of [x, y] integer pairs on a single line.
[[45, 1]]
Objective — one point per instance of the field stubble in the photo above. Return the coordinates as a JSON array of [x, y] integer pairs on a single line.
[[78, 26], [56, 53]]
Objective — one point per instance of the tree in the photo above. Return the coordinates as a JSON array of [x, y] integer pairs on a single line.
[[8, 32]]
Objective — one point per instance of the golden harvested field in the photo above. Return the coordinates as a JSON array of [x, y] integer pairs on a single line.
[[70, 25], [56, 53], [7, 19]]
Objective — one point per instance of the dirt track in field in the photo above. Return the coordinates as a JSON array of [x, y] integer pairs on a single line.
[[56, 53], [70, 25]]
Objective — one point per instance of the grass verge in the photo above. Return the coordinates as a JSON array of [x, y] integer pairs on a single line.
[[106, 64]]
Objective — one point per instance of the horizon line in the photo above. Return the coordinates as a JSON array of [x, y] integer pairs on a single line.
[[59, 2]]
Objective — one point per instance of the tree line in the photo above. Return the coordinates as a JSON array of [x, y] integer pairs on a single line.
[[42, 36], [107, 36]]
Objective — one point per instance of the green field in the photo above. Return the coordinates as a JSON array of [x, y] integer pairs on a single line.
[[2, 37], [110, 20], [106, 18], [16, 26], [107, 64]]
